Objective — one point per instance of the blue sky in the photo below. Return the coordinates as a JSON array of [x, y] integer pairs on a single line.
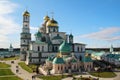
[[93, 22]]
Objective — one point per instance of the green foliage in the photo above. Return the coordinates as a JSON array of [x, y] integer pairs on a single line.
[[33, 67], [10, 78], [103, 74], [25, 67], [59, 77], [3, 65], [4, 72]]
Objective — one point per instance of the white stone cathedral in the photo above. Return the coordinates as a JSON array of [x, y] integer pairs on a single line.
[[48, 39]]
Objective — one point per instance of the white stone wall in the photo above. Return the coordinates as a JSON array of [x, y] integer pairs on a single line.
[[58, 41], [62, 34], [79, 48], [34, 47]]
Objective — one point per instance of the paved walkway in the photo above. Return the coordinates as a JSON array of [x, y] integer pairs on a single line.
[[22, 73]]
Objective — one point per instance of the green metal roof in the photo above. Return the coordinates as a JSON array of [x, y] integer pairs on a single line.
[[115, 56], [87, 59], [38, 34], [65, 47], [58, 60], [49, 59]]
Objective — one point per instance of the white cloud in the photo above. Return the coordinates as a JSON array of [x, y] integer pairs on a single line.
[[8, 26], [34, 28], [107, 34]]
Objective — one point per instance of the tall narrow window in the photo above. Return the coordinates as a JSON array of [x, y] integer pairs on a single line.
[[78, 49], [38, 48], [42, 48]]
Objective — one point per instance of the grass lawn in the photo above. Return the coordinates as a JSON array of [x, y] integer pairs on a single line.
[[10, 58], [58, 77], [3, 65], [4, 72], [104, 74], [10, 78], [25, 67]]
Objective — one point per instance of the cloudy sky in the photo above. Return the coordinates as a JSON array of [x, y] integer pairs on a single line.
[[93, 22]]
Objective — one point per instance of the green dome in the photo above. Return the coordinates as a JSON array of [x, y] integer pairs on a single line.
[[58, 60], [38, 34], [65, 47]]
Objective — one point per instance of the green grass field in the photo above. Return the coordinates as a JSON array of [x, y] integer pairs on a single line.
[[25, 67], [103, 74], [4, 72], [58, 77], [10, 78], [3, 65]]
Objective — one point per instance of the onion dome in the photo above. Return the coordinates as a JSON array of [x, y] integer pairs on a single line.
[[38, 34], [58, 60], [52, 22], [26, 13], [46, 18], [65, 48]]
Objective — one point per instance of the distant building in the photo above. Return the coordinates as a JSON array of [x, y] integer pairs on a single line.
[[112, 57], [9, 52]]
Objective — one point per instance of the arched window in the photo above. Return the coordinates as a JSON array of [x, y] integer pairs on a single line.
[[56, 48], [80, 58]]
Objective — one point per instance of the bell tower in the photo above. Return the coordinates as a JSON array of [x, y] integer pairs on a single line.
[[71, 38], [25, 36]]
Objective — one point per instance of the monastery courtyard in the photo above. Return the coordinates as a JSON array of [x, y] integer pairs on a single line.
[[28, 76]]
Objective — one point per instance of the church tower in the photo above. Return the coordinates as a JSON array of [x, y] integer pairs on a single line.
[[25, 36], [71, 38]]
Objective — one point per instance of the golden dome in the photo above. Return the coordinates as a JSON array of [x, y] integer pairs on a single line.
[[52, 22], [46, 18], [26, 13]]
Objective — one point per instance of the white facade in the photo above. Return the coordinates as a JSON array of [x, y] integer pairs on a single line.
[[48, 40]]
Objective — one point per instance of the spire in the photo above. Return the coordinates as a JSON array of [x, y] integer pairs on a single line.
[[11, 46], [111, 48]]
